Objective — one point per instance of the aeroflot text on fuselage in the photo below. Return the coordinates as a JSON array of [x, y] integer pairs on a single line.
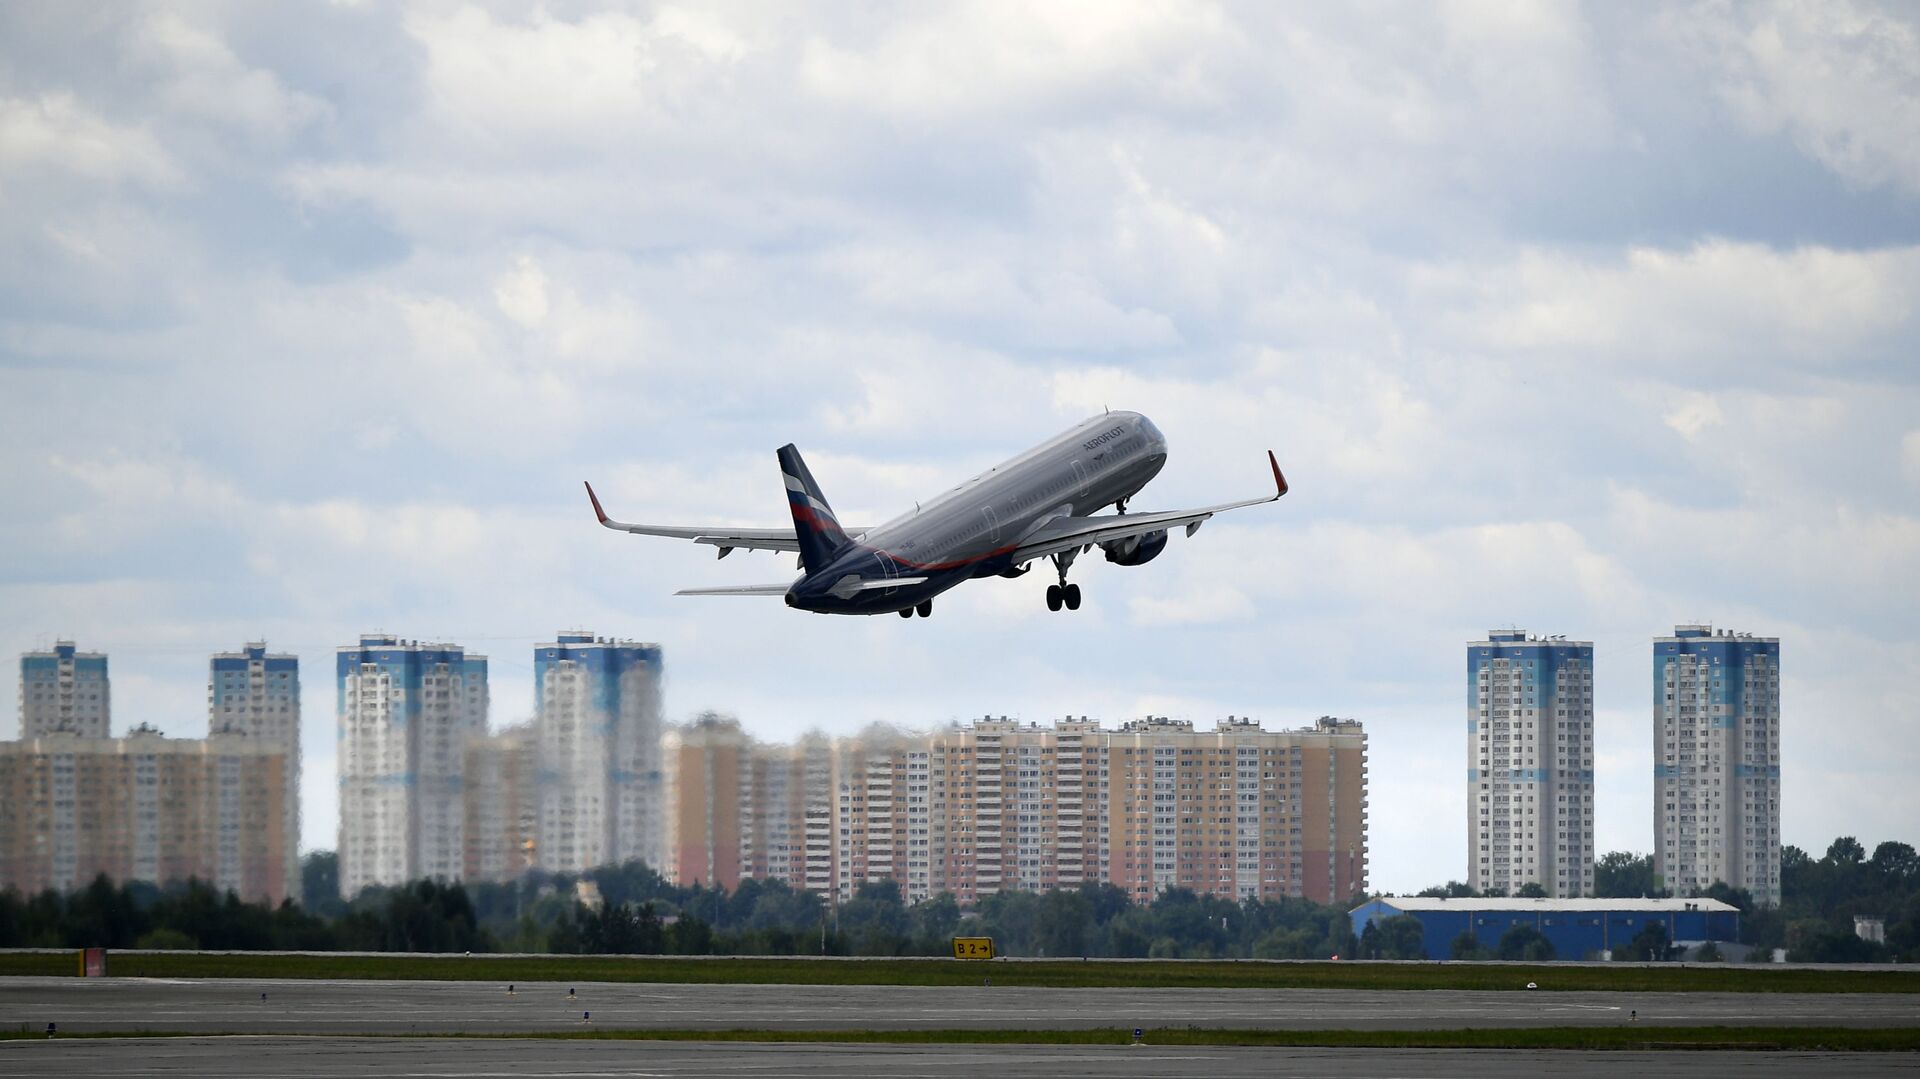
[[1044, 503]]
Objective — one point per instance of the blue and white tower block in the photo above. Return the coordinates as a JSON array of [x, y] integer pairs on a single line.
[[1716, 761], [406, 711], [1530, 764], [597, 719]]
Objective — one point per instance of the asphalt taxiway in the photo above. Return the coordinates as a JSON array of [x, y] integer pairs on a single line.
[[235, 1006], [454, 1058]]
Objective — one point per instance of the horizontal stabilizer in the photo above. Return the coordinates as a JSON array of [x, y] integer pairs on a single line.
[[725, 537], [738, 590], [852, 584]]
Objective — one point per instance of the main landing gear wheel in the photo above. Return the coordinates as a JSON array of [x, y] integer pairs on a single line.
[[906, 612], [924, 608], [1063, 594]]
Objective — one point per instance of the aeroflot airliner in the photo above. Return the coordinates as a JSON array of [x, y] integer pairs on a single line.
[[1040, 504]]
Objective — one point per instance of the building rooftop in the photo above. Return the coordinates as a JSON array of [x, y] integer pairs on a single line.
[[1705, 629], [1521, 636], [1427, 902]]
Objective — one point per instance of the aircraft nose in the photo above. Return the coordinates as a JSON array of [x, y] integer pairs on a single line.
[[1154, 437]]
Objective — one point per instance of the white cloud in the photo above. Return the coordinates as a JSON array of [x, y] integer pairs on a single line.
[[978, 58], [522, 293], [1841, 79], [1694, 414], [1910, 456], [1216, 604], [1717, 301], [203, 77], [54, 130], [605, 78]]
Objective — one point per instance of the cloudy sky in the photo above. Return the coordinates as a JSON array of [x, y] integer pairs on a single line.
[[1580, 319]]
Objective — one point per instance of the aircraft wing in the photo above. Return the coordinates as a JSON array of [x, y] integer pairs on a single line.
[[725, 537], [1066, 533]]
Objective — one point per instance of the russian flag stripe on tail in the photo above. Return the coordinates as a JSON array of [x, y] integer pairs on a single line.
[[814, 524]]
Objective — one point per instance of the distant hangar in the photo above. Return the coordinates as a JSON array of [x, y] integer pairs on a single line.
[[1577, 928]]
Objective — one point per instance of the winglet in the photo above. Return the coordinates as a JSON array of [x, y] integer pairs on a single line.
[[1279, 481], [602, 514]]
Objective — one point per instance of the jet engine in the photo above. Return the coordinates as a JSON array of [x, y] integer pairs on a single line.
[[1135, 550]]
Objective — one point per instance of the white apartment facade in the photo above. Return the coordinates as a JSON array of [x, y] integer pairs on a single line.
[[1530, 764], [1716, 730], [404, 711]]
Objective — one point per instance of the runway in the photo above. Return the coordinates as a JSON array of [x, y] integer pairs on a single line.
[[303, 1058], [387, 1007]]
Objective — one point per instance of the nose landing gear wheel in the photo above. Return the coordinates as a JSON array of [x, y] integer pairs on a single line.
[[1054, 598], [1071, 596]]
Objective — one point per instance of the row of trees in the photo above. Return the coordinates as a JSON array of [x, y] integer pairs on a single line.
[[642, 913]]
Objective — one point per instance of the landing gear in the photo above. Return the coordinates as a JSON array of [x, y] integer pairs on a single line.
[[906, 612], [1063, 594], [924, 609]]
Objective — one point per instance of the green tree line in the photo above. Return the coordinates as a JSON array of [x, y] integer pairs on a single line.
[[641, 913]]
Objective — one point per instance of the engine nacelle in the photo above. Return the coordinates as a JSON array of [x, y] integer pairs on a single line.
[[1135, 550]]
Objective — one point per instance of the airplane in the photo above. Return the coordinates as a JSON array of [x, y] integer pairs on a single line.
[[1040, 504]]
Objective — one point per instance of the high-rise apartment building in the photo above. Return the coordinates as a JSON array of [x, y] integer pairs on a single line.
[[997, 804], [64, 691], [257, 695], [1010, 807], [794, 792], [502, 804], [1236, 811], [709, 798], [146, 808], [1716, 754], [1530, 764], [873, 813], [406, 713], [597, 713]]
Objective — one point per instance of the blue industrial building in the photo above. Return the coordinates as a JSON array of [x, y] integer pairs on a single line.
[[1577, 928]]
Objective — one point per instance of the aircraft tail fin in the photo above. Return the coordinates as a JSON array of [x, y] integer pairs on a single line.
[[814, 524]]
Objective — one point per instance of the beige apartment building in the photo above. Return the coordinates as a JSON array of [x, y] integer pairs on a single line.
[[1237, 811], [707, 784], [144, 807], [502, 804]]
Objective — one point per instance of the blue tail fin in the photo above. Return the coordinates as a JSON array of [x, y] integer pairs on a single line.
[[814, 524]]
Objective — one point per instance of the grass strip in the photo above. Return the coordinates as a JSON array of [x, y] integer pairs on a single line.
[[1073, 973], [1621, 1038]]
